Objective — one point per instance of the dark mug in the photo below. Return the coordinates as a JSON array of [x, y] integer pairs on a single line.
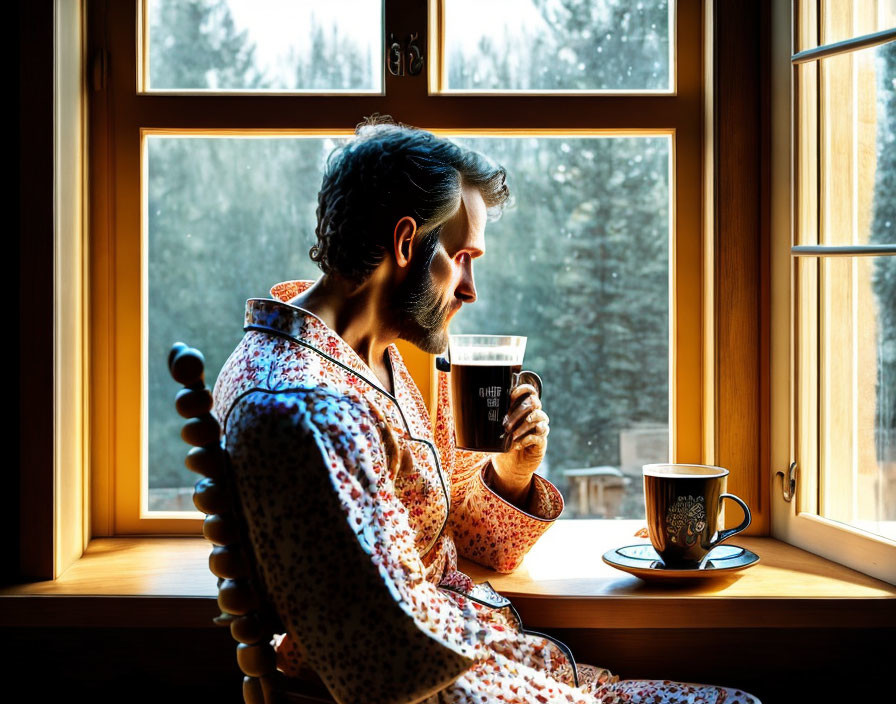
[[485, 369], [683, 503]]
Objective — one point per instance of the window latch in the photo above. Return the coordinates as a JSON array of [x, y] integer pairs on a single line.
[[404, 60], [788, 483]]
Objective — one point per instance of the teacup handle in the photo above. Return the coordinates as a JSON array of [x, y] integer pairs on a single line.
[[527, 377], [725, 534]]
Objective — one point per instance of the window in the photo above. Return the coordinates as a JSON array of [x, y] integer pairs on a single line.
[[843, 253], [222, 132]]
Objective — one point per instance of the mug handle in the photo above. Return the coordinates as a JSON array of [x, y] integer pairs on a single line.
[[527, 377], [725, 534], [443, 364]]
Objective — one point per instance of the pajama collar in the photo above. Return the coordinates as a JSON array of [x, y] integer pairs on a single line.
[[276, 316]]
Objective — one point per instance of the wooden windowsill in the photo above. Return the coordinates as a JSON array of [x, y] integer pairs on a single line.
[[145, 582]]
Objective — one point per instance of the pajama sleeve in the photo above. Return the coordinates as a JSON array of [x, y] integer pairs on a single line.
[[335, 552], [486, 528]]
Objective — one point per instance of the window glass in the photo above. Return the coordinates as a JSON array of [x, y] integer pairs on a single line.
[[848, 304], [857, 484], [807, 168], [807, 25], [579, 264], [845, 19], [265, 45], [226, 219], [581, 267], [565, 45], [858, 144]]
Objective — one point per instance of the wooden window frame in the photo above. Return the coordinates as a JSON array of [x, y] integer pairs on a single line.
[[721, 326], [45, 507], [795, 364]]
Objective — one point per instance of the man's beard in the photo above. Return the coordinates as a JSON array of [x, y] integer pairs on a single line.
[[418, 313]]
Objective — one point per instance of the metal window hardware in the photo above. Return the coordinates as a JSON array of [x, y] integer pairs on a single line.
[[407, 60], [394, 57], [851, 250], [415, 55], [788, 483], [854, 44]]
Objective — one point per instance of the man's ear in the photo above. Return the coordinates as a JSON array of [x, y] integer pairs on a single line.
[[405, 230]]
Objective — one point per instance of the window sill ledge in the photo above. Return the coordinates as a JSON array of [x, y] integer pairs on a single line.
[[563, 583]]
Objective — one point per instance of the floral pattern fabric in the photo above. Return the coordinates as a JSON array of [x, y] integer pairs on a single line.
[[432, 502]]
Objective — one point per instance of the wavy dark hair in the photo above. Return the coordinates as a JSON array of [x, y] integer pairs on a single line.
[[386, 171]]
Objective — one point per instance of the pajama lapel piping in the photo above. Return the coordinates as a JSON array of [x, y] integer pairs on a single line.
[[432, 449]]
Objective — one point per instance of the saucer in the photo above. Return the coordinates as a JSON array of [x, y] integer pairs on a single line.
[[642, 561]]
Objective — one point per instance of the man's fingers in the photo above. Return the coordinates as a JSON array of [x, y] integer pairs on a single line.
[[524, 408], [531, 440], [537, 421], [518, 391]]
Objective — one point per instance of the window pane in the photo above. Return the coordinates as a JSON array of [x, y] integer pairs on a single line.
[[572, 45], [858, 165], [807, 191], [265, 45], [227, 218], [807, 19], [858, 394], [580, 265], [845, 19]]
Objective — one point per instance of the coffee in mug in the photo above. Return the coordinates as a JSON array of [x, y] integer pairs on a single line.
[[484, 371], [683, 503]]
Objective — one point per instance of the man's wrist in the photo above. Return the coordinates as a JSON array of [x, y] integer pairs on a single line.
[[513, 490]]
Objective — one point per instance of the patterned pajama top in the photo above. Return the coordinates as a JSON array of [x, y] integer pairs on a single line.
[[358, 506]]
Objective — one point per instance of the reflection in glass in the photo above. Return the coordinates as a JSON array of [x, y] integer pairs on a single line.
[[807, 127], [847, 19], [265, 45], [858, 147], [806, 15], [567, 45], [858, 393], [580, 265]]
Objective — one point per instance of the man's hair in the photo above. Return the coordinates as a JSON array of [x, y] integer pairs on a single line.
[[386, 171]]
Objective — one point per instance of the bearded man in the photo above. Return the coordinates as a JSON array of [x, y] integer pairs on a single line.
[[357, 504]]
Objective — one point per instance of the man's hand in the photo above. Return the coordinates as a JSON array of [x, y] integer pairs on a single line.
[[528, 426]]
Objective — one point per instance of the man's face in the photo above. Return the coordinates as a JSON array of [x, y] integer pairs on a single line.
[[440, 278]]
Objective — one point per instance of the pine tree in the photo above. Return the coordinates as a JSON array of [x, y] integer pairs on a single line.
[[582, 267], [195, 45], [227, 217]]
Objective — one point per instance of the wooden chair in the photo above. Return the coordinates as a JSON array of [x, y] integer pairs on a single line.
[[244, 605]]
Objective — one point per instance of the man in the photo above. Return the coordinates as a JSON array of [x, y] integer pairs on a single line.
[[357, 505]]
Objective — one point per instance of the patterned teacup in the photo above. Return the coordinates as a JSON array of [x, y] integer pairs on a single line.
[[683, 504]]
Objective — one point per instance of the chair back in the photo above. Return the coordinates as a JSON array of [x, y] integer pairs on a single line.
[[244, 604]]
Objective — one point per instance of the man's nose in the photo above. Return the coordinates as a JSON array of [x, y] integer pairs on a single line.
[[466, 290]]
